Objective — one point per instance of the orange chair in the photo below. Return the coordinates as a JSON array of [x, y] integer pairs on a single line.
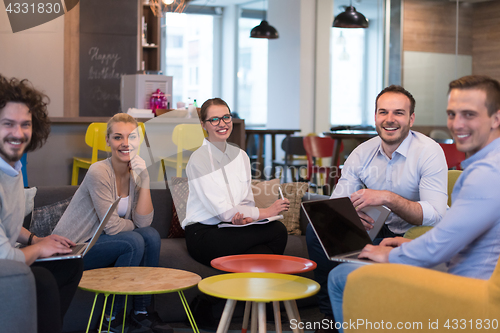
[[453, 156], [320, 147]]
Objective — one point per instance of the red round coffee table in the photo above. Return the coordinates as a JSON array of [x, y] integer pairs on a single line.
[[263, 263]]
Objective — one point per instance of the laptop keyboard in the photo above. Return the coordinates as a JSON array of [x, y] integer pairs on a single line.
[[77, 248]]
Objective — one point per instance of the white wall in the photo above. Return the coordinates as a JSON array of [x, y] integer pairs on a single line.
[[426, 76], [36, 54], [299, 65]]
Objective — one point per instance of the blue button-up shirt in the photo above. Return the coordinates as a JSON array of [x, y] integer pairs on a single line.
[[417, 171], [468, 237]]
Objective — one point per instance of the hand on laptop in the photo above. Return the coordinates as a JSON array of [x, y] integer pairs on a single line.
[[53, 244], [46, 246], [376, 253], [367, 221], [394, 241]]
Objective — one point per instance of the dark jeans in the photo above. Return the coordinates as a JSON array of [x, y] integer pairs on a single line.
[[56, 283], [140, 247], [325, 265], [207, 242]]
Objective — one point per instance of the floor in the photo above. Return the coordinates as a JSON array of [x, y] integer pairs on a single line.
[[308, 315]]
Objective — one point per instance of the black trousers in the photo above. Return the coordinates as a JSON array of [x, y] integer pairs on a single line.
[[207, 242], [56, 283]]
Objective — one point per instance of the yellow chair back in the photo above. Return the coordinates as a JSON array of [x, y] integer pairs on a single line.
[[186, 137], [96, 139], [452, 179]]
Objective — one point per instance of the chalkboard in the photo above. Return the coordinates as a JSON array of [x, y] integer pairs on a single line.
[[108, 50]]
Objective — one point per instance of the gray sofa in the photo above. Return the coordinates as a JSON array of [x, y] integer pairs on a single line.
[[173, 254], [18, 297]]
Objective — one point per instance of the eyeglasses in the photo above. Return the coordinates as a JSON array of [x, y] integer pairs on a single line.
[[215, 121]]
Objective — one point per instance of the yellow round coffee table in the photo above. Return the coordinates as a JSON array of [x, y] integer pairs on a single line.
[[259, 288], [138, 281]]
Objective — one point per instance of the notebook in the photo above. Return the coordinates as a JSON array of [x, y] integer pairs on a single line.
[[81, 249], [339, 229]]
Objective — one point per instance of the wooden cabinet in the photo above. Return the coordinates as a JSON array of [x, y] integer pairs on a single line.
[[149, 38]]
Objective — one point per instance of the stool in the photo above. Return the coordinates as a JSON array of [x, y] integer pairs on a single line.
[[259, 288], [138, 281], [262, 263]]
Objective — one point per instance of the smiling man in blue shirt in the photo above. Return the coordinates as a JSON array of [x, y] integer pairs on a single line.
[[400, 168], [468, 237]]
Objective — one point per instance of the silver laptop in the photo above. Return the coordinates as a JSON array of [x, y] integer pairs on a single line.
[[81, 249], [339, 229]]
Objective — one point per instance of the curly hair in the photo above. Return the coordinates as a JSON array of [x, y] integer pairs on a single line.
[[22, 91], [399, 90]]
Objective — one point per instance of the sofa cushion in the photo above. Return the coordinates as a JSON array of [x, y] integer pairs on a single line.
[[265, 193], [179, 188], [45, 218], [293, 192]]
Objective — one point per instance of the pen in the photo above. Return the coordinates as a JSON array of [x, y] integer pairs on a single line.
[[281, 193]]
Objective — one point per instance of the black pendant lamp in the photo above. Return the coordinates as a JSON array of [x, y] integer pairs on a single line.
[[350, 18], [264, 30]]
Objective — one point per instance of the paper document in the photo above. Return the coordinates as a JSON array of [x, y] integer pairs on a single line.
[[263, 221]]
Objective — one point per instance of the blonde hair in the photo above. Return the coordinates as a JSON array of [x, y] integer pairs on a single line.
[[120, 118]]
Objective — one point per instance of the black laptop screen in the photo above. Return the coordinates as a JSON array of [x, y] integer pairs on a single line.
[[337, 225]]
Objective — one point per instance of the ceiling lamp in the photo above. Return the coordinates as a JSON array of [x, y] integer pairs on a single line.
[[350, 18], [264, 30]]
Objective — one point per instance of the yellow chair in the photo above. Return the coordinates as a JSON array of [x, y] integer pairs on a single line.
[[95, 137], [423, 300], [422, 229], [185, 137]]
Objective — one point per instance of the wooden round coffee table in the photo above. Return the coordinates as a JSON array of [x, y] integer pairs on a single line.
[[138, 281]]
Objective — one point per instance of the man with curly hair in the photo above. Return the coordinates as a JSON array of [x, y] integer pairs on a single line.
[[24, 127]]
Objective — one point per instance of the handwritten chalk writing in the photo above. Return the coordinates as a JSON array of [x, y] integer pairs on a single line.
[[104, 58], [104, 73], [100, 95]]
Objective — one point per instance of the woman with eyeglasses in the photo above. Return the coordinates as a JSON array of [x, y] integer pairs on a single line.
[[219, 191]]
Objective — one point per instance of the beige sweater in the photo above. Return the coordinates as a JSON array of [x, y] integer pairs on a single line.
[[91, 202]]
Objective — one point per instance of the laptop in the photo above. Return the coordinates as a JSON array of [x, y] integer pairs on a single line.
[[339, 228], [81, 249]]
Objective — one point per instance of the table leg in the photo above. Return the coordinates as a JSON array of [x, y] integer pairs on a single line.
[[189, 314], [285, 167], [102, 315], [273, 154], [260, 156], [262, 317], [225, 319], [293, 314], [124, 313], [277, 316], [92, 312], [246, 316], [253, 325]]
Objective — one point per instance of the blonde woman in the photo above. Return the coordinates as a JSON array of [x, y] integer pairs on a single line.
[[128, 239]]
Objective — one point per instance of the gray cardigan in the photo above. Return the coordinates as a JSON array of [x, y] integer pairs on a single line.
[[91, 202]]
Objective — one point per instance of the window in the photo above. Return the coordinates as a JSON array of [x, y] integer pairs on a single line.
[[348, 52], [357, 66], [189, 56], [252, 74]]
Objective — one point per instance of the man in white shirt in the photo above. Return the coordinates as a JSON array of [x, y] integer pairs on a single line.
[[401, 169], [24, 126]]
